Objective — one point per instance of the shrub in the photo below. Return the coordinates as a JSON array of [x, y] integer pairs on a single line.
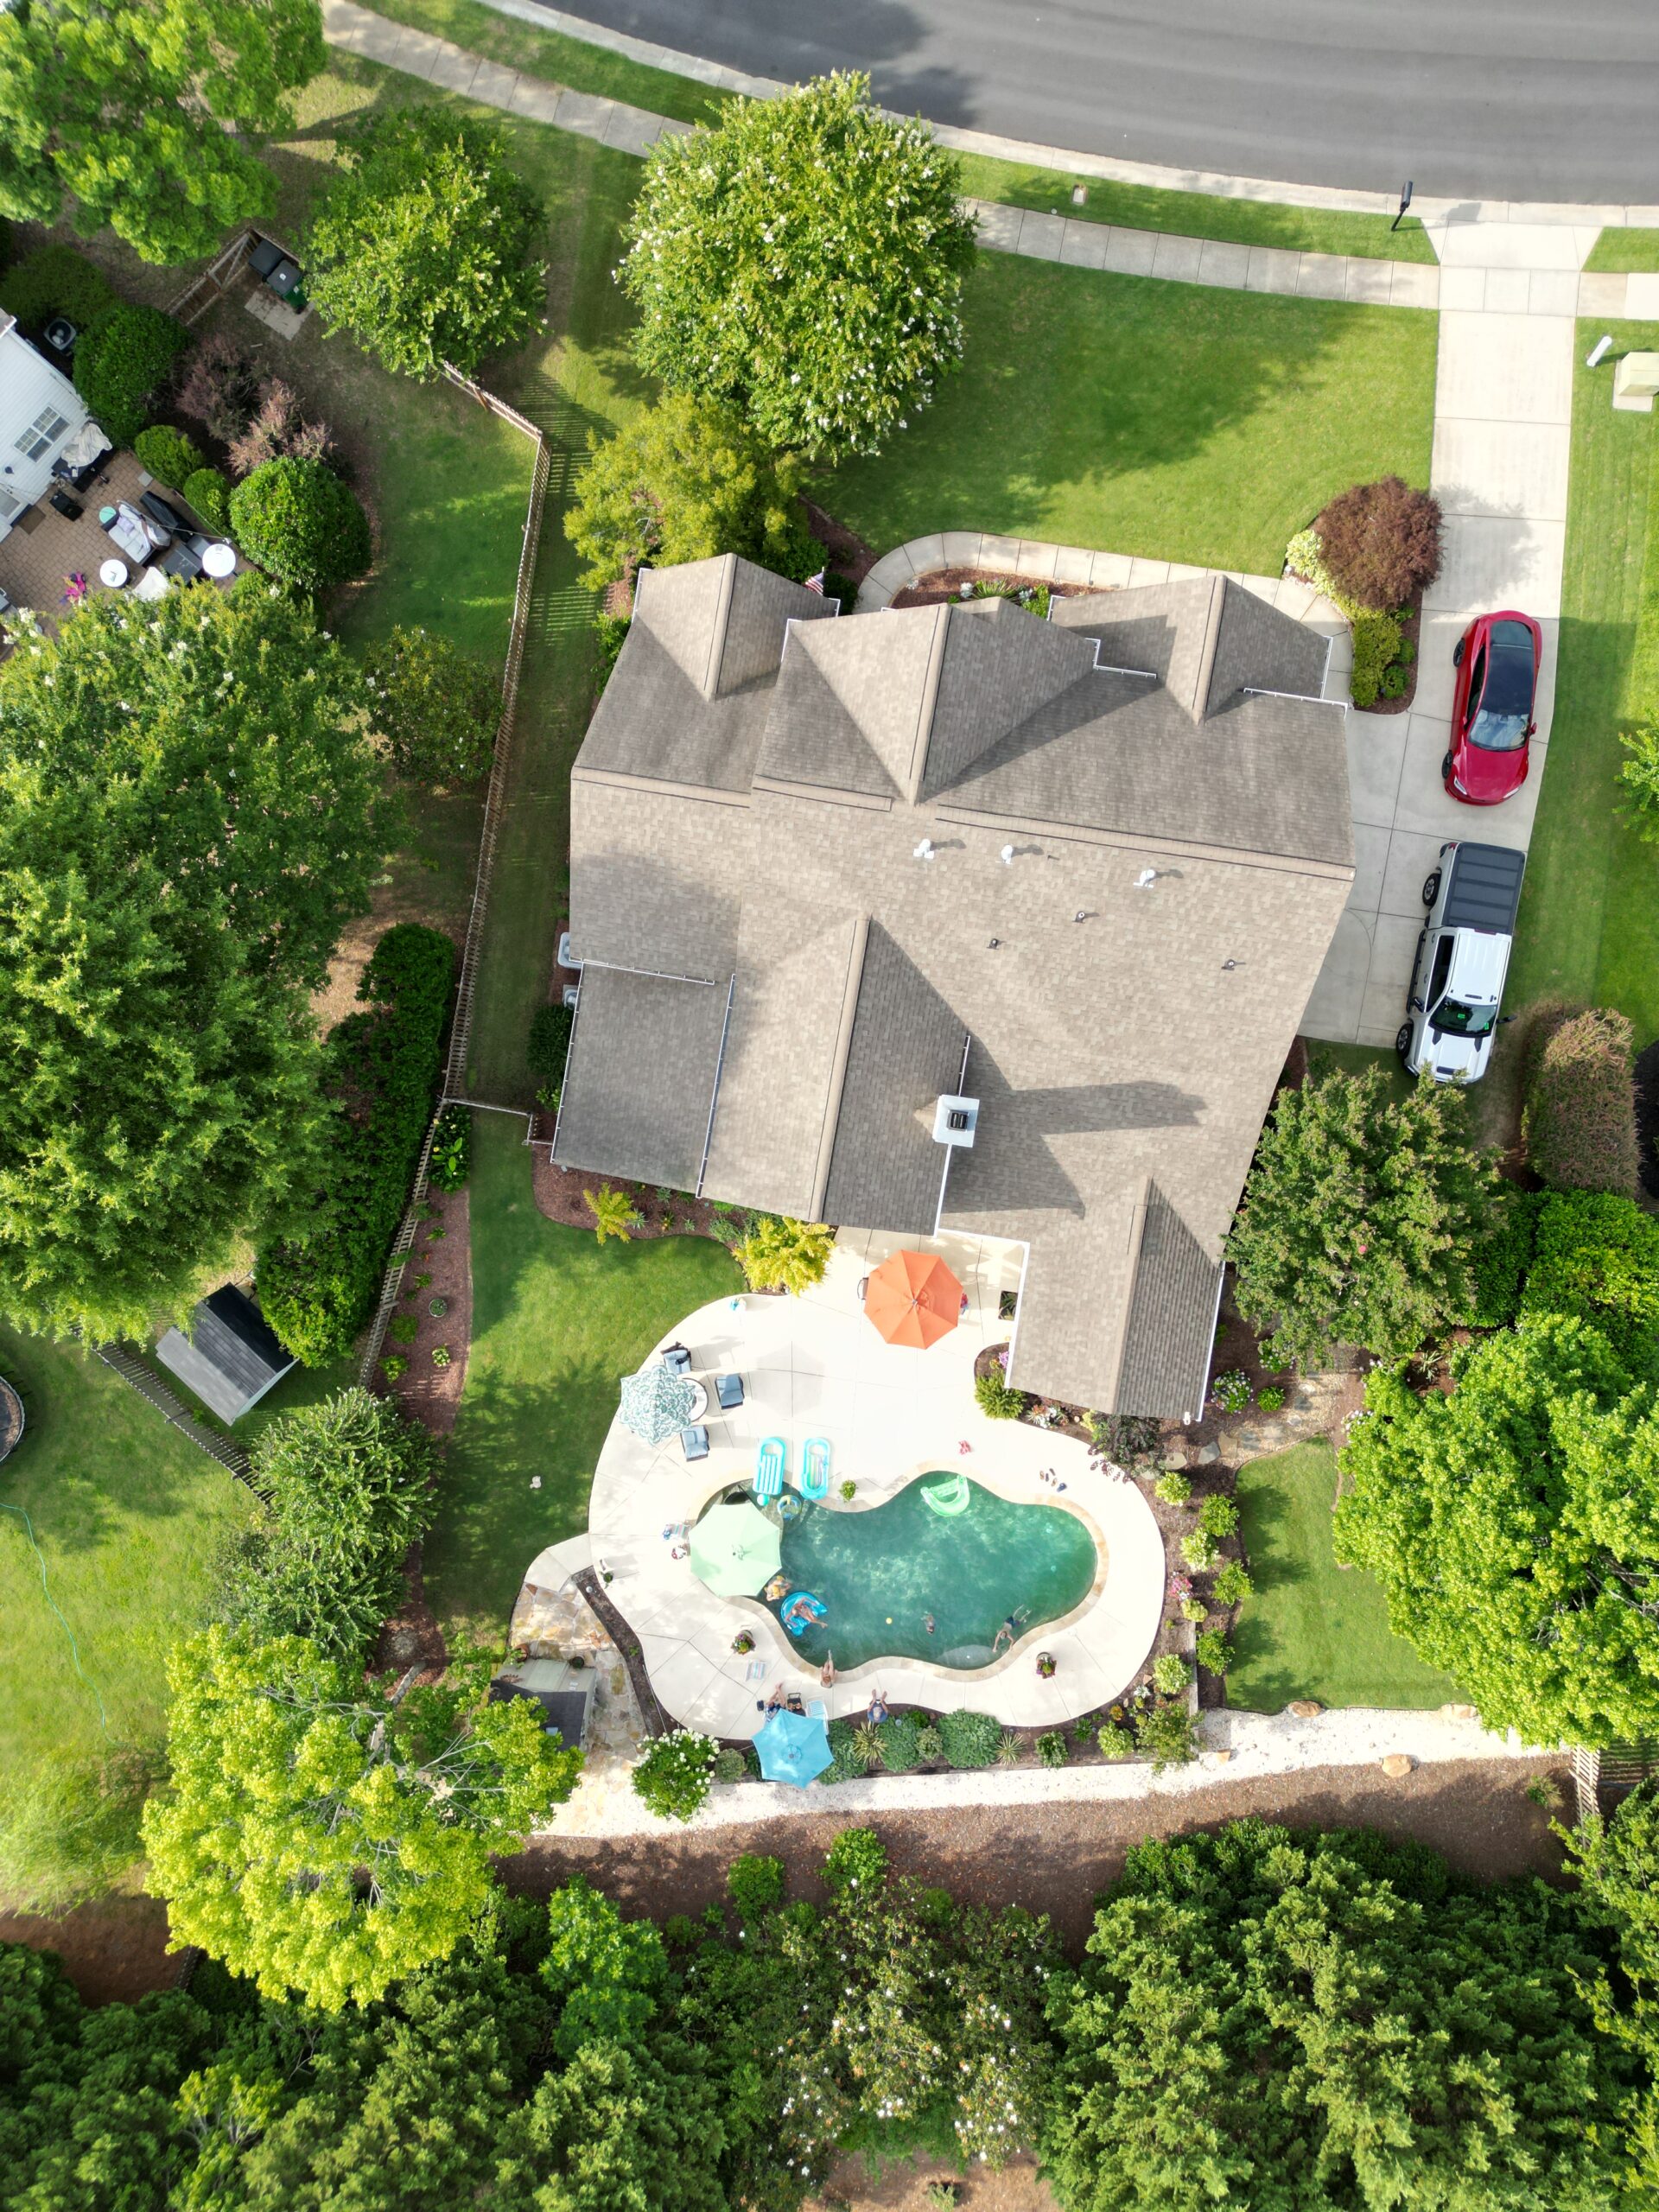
[[1271, 1399], [1231, 1391], [1115, 1743], [1219, 1516], [1122, 1438], [849, 1491], [1166, 1736], [899, 1739], [779, 1253], [1233, 1585], [729, 1766], [208, 491], [436, 707], [440, 1354], [1199, 1550], [845, 1765], [1171, 1675], [1194, 1610], [121, 361], [548, 1043], [866, 1743], [612, 631], [403, 1328], [277, 431], [318, 1289], [969, 1738], [1376, 644], [1501, 1255], [168, 455], [755, 1883], [298, 519], [672, 1775], [219, 388], [451, 1161], [1382, 541], [1596, 1257], [56, 280], [394, 1366], [1578, 1124], [857, 1859], [1051, 1748], [930, 1745], [1639, 774], [1213, 1652], [350, 1485], [996, 1396], [1173, 1486], [614, 1213]]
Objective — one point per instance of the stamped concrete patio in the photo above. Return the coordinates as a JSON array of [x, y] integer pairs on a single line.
[[814, 1366]]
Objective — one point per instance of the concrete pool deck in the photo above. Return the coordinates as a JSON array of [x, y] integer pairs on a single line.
[[814, 1366]]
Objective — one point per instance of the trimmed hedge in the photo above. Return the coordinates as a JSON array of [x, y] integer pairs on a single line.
[[1502, 1257], [318, 1291], [298, 519], [1596, 1256], [1580, 1121], [168, 456], [127, 355], [56, 280], [208, 491]]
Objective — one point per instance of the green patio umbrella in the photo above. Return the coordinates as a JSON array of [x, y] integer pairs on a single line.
[[655, 1405], [735, 1550]]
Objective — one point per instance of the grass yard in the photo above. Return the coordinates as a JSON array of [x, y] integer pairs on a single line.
[[557, 1319], [1589, 924], [1194, 214], [1313, 1628], [1621, 252], [129, 1518], [1131, 416]]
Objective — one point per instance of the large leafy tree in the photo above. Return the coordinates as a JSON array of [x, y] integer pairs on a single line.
[[686, 480], [802, 263], [147, 117], [320, 1839], [1310, 2021], [1616, 1862], [1515, 1527], [188, 815], [350, 1484], [427, 247], [1360, 1218]]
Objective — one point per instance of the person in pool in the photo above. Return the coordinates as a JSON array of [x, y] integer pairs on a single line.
[[1008, 1631], [928, 1622]]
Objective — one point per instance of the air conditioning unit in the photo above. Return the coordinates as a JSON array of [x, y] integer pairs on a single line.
[[955, 1121]]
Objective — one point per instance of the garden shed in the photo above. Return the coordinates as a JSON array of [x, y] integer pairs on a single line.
[[231, 1356], [563, 1690]]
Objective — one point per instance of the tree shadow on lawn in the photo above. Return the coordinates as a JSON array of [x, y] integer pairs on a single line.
[[1266, 1673], [1078, 387]]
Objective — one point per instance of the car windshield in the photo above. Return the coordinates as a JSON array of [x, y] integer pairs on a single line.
[[1505, 708], [1453, 1018]]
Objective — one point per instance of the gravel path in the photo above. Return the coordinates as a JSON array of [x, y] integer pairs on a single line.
[[1053, 1858]]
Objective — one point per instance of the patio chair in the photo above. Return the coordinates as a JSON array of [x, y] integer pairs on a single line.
[[676, 1359], [694, 1442], [728, 1391]]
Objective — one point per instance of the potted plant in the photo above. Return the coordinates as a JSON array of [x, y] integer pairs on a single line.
[[742, 1644], [1045, 1665]]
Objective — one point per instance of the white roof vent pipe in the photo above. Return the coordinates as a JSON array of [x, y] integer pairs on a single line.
[[955, 1120]]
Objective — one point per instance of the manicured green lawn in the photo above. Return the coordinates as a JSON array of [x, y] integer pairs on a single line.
[[1135, 417], [129, 1518], [1619, 251], [1194, 214], [558, 1320], [1589, 923], [1313, 1628]]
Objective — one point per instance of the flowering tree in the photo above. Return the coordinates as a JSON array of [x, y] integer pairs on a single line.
[[802, 263]]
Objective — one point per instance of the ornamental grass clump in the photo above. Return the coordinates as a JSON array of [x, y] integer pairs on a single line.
[[1579, 1123]]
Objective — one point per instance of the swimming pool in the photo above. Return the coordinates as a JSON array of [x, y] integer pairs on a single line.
[[885, 1573]]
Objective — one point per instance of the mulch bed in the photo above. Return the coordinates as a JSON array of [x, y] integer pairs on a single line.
[[560, 1194], [850, 556], [442, 1254], [410, 1637], [1411, 628], [946, 583]]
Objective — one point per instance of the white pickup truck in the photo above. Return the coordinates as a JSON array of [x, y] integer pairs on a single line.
[[1463, 955]]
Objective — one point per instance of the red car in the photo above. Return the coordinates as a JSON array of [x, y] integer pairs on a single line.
[[1496, 660]]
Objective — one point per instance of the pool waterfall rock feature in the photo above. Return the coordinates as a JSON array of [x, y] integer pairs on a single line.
[[945, 1572]]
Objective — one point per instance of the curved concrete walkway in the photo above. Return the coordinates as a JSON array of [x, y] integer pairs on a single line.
[[813, 1366]]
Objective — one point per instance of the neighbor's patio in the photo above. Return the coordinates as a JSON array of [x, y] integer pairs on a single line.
[[815, 1366]]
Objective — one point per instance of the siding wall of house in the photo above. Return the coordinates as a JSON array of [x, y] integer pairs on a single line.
[[32, 392]]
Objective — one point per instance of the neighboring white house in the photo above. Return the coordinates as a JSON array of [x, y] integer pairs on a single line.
[[40, 412]]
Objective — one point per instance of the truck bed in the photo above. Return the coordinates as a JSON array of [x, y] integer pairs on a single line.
[[1485, 889]]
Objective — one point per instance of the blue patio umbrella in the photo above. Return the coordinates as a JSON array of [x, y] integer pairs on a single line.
[[793, 1748], [656, 1405]]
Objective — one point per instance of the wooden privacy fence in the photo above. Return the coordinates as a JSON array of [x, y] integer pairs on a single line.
[[130, 1368], [454, 1090]]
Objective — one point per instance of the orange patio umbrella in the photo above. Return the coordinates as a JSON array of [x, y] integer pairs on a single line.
[[913, 1298]]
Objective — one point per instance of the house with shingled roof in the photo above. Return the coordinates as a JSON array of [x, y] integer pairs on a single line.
[[948, 920]]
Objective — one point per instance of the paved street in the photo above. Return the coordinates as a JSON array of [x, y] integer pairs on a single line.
[[1516, 99]]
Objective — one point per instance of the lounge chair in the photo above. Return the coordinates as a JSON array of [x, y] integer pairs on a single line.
[[728, 1391], [694, 1442], [769, 1474], [676, 1359], [814, 1467]]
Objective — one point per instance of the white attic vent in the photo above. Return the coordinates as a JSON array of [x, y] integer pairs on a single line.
[[955, 1121]]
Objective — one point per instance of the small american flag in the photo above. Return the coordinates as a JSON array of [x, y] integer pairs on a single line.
[[816, 583]]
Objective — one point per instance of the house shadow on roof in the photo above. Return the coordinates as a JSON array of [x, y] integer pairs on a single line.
[[1013, 1168]]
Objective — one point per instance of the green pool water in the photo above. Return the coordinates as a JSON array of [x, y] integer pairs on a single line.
[[884, 1573]]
